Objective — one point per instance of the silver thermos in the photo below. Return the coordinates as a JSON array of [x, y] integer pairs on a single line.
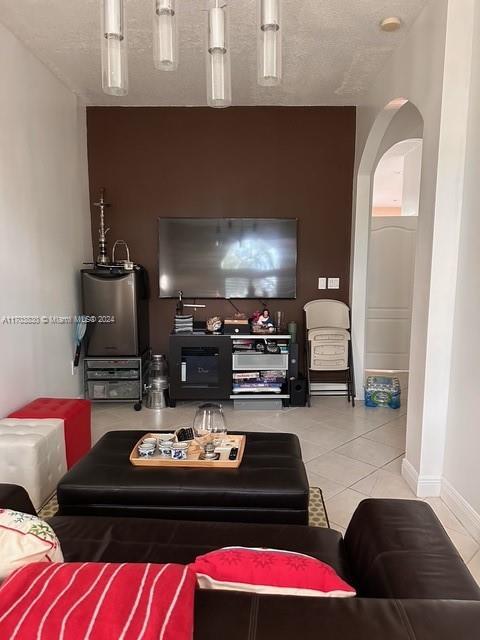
[[158, 383]]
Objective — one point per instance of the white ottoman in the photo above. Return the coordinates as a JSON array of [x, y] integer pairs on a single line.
[[32, 454]]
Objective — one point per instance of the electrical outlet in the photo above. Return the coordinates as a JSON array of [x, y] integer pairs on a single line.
[[334, 283], [322, 283]]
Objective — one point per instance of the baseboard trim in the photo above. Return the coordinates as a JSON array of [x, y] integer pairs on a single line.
[[410, 475], [432, 487], [422, 486], [429, 486], [468, 517]]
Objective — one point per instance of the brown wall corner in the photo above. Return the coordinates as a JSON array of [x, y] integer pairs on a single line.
[[292, 162]]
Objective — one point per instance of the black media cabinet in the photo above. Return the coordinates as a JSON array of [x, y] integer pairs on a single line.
[[213, 367], [200, 367]]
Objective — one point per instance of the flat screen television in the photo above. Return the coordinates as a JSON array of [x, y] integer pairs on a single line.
[[228, 257]]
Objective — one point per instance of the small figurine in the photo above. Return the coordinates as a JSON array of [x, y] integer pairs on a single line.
[[265, 321]]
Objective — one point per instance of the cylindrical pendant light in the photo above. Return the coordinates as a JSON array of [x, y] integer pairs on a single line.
[[219, 82], [269, 43], [114, 48], [165, 47]]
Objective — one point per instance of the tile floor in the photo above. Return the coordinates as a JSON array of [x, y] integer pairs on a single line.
[[349, 453]]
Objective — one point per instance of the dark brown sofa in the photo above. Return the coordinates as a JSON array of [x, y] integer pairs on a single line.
[[411, 582]]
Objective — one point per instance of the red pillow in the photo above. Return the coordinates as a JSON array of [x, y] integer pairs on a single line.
[[269, 571]]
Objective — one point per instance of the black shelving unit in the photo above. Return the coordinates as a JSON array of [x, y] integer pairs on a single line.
[[116, 379], [246, 360]]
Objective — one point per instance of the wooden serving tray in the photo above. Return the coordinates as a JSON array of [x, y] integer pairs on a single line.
[[192, 461]]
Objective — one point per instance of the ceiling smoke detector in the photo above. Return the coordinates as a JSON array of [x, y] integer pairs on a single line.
[[391, 24]]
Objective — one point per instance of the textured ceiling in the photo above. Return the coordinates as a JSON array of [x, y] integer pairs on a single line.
[[333, 49]]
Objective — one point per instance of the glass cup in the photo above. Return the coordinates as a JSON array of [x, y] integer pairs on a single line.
[[209, 427]]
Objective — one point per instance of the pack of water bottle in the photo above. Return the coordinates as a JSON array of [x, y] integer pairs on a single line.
[[382, 391]]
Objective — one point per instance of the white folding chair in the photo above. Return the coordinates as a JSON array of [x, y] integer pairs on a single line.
[[328, 343]]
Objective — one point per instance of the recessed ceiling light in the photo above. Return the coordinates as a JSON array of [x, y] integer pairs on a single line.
[[391, 24]]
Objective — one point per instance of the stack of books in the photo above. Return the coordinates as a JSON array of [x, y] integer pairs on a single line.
[[243, 345], [249, 376], [183, 324], [258, 382], [273, 377]]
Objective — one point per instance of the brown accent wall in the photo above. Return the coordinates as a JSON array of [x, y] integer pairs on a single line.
[[293, 162]]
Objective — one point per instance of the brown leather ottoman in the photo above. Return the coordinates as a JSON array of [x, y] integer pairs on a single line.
[[270, 486]]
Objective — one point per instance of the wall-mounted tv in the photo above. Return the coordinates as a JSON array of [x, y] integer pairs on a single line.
[[228, 257]]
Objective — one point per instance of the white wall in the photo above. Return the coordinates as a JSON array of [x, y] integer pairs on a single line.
[[445, 253], [462, 469], [44, 225], [407, 124], [414, 73], [442, 80], [412, 173]]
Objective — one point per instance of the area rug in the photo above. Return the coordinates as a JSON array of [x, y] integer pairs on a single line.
[[316, 509], [317, 512], [49, 508]]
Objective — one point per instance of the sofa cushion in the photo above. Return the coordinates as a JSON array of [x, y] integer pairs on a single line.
[[25, 539], [15, 497], [101, 539], [399, 549], [263, 617], [272, 571]]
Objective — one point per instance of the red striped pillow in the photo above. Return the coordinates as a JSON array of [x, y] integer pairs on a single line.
[[98, 602], [269, 571]]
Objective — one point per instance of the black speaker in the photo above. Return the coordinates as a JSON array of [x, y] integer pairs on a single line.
[[298, 392], [293, 361]]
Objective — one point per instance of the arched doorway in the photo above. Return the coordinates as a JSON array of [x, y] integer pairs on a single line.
[[399, 120], [391, 259]]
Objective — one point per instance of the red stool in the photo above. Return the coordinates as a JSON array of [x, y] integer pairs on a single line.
[[76, 416]]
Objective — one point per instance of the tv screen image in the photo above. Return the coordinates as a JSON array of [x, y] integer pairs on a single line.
[[228, 257]]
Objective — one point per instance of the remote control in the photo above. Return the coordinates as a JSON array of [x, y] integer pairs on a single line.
[[185, 433], [233, 453]]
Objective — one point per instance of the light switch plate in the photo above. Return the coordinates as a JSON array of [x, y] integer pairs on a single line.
[[334, 283], [322, 283]]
